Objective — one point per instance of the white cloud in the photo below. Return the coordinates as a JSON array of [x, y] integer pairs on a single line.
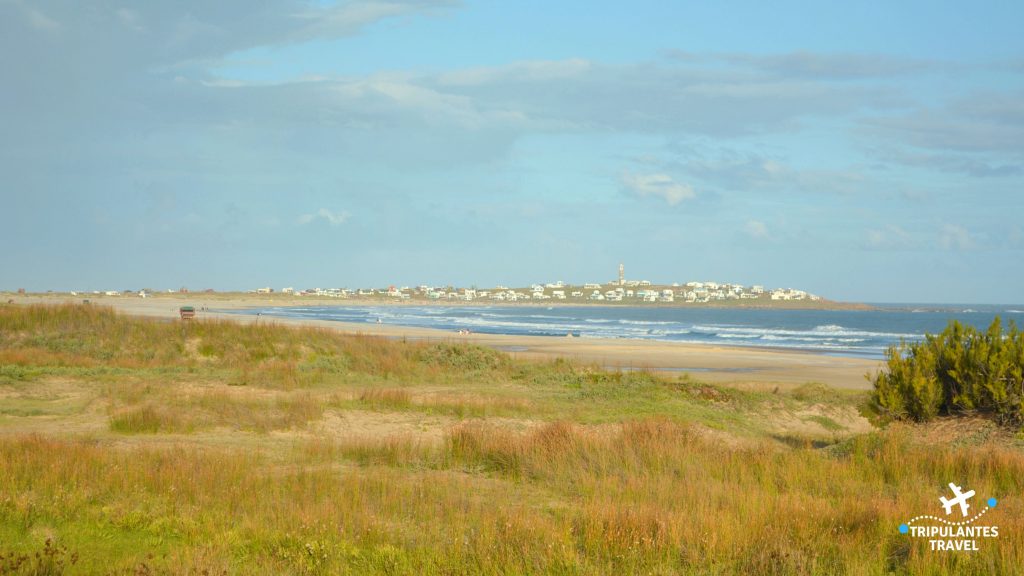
[[659, 186], [130, 19], [332, 218], [813, 65], [891, 237], [757, 230], [954, 237], [987, 123], [38, 20], [527, 72], [737, 170]]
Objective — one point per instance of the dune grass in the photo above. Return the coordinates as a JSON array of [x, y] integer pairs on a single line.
[[212, 454], [644, 497]]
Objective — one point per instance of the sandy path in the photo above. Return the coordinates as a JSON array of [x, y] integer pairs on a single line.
[[705, 362]]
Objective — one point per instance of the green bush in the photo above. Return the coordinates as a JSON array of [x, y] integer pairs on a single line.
[[960, 370]]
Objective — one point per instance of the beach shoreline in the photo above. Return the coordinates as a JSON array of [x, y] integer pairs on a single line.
[[734, 365]]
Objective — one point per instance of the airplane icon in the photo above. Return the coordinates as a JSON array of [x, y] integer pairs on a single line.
[[959, 498]]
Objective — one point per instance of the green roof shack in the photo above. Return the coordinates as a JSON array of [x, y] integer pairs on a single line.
[[187, 312]]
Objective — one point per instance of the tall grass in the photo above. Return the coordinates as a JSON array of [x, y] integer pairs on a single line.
[[147, 419], [386, 397], [609, 473], [643, 497], [171, 411], [655, 496]]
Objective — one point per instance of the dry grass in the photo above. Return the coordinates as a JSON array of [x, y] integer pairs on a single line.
[[148, 419], [649, 496], [460, 406], [463, 406], [390, 398], [616, 473]]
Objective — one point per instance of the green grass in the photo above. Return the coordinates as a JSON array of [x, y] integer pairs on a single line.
[[140, 446], [825, 422]]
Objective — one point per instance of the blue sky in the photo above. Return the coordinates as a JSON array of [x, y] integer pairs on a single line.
[[871, 151]]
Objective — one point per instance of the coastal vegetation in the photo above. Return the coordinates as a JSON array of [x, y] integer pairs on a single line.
[[961, 370], [134, 446]]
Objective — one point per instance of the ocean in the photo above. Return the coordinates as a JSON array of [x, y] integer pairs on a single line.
[[861, 333]]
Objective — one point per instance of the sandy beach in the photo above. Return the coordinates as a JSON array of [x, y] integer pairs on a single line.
[[732, 365]]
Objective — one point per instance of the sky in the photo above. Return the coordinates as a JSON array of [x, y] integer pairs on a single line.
[[863, 151]]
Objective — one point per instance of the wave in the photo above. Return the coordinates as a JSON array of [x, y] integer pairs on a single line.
[[797, 338], [777, 338], [823, 331], [818, 332], [645, 322]]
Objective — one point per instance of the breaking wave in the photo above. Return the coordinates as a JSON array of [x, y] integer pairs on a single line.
[[837, 332]]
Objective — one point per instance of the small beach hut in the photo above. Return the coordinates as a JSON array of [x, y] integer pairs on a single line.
[[187, 312]]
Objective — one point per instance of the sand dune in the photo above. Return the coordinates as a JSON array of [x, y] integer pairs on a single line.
[[736, 365]]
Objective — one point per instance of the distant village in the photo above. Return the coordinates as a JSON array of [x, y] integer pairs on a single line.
[[632, 291], [619, 290]]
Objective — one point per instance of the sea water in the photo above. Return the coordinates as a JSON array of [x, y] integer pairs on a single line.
[[863, 333]]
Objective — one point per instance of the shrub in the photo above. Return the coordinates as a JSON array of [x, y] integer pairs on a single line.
[[962, 369]]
